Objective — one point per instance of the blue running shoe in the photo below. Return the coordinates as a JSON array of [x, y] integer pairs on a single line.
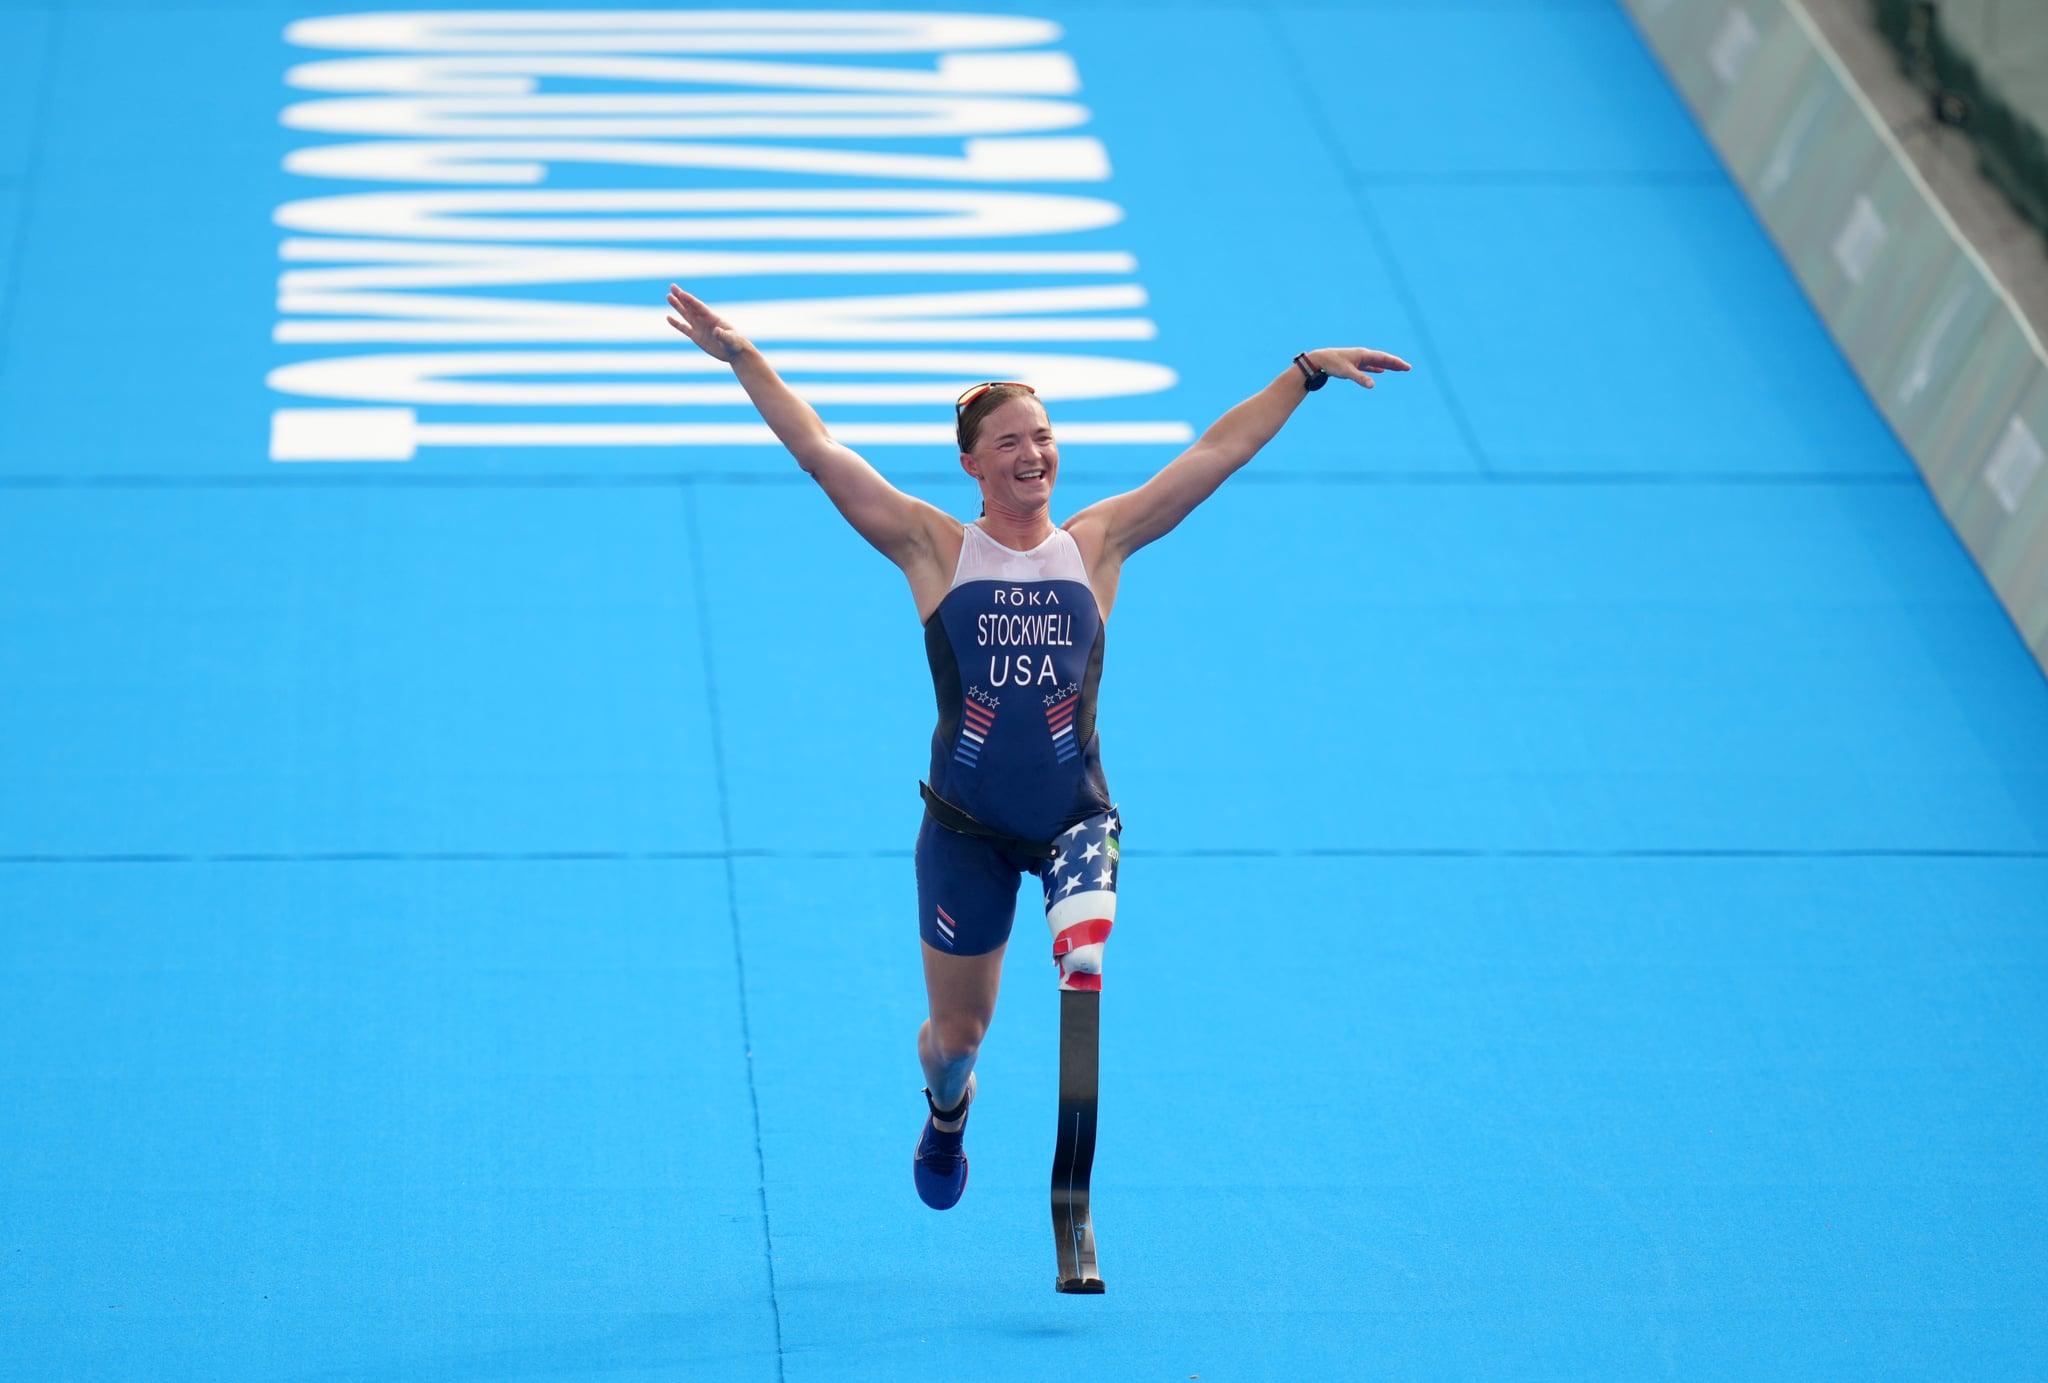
[[940, 1166]]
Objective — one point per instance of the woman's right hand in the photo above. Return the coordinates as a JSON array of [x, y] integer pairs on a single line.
[[714, 336]]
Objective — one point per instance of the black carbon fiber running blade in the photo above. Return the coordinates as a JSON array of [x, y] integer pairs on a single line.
[[1073, 1155]]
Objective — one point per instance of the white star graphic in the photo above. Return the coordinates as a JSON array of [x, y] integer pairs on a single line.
[[1103, 877], [1070, 885], [1114, 824], [1059, 861], [1075, 829], [1094, 849]]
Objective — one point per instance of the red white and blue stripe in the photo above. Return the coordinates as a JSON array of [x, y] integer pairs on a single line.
[[977, 720], [1059, 718]]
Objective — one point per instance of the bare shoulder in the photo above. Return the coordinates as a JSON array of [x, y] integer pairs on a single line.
[[930, 561], [1090, 529], [939, 532]]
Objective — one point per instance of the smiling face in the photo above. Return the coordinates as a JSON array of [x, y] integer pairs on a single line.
[[1014, 457]]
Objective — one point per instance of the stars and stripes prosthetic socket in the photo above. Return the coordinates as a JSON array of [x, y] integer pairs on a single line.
[[967, 893], [1080, 898]]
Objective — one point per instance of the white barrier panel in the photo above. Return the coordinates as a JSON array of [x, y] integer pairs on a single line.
[[1942, 348]]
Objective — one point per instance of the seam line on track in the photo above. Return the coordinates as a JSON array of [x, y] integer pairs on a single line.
[[731, 856], [11, 280], [691, 538], [1319, 116], [1538, 177]]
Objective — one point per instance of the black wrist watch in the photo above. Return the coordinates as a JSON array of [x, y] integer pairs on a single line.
[[1312, 379]]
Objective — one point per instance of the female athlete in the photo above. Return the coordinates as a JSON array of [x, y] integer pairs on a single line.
[[1013, 608]]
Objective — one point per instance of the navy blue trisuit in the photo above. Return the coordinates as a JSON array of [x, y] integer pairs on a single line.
[[1016, 656]]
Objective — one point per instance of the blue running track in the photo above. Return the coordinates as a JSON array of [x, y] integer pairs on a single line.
[[1585, 913]]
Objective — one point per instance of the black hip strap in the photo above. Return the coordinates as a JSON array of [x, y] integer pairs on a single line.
[[955, 820]]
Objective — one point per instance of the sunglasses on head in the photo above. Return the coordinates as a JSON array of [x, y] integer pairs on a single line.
[[960, 404]]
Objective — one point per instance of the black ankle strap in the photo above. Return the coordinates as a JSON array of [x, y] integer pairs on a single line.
[[945, 1116]]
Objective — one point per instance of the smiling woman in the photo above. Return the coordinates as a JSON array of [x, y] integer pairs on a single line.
[[972, 409], [1014, 609]]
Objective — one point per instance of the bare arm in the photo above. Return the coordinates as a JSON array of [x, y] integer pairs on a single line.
[[905, 529], [1121, 524]]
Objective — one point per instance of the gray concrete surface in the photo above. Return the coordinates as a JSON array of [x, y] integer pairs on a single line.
[[2014, 248]]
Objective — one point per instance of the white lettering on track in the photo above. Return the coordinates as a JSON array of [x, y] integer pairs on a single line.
[[557, 169]]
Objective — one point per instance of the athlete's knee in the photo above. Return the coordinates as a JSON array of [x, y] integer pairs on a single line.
[[957, 1036]]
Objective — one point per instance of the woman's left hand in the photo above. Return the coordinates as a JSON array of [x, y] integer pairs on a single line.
[[1355, 362]]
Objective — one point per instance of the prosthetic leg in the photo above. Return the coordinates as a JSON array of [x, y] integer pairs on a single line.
[[1080, 907], [1073, 1155]]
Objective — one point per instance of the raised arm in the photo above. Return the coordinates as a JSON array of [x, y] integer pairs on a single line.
[[1121, 524], [905, 529]]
